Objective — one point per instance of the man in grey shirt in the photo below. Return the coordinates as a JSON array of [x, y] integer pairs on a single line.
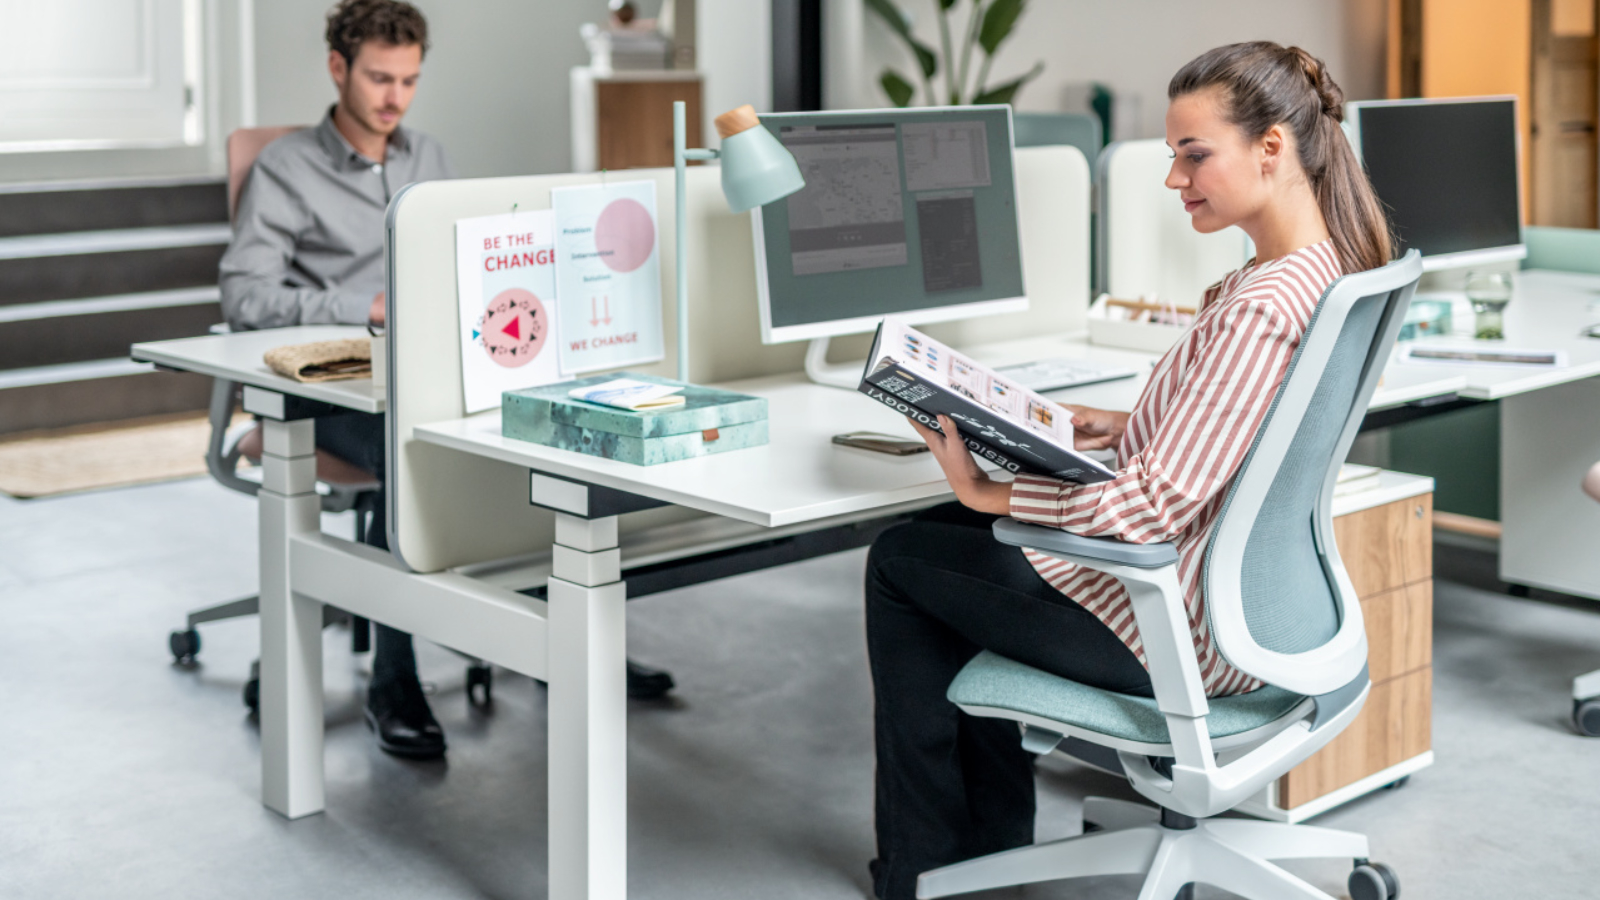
[[308, 249]]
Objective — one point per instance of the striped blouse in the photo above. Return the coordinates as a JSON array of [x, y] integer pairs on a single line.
[[1186, 438]]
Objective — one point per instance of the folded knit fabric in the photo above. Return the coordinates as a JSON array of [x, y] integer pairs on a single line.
[[322, 360]]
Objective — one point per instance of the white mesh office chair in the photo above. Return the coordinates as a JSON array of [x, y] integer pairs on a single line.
[[1586, 688], [1281, 608]]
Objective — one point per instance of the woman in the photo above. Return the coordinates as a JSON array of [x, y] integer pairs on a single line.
[[1255, 132]]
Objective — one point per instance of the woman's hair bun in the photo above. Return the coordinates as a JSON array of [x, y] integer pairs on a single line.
[[1328, 92]]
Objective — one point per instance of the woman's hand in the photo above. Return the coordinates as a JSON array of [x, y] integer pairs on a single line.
[[973, 486], [1096, 429]]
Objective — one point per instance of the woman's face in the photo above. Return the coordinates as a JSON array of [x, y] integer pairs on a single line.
[[1216, 170]]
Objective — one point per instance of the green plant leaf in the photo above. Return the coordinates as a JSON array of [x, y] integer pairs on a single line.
[[925, 57], [899, 90], [892, 15], [900, 22], [946, 5], [1004, 93], [998, 20]]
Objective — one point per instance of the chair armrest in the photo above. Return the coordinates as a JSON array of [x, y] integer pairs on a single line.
[[1110, 550]]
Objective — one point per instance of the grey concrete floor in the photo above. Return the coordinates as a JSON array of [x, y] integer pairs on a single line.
[[124, 775]]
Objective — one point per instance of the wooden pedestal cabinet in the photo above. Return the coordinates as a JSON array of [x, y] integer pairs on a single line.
[[1385, 538]]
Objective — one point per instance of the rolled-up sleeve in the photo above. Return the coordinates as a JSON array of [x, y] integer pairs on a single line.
[[255, 272], [1195, 449]]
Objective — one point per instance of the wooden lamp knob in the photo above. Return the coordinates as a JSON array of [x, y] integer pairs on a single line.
[[734, 121]]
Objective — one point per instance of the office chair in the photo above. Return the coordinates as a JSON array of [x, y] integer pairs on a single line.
[[1586, 688], [1280, 607], [343, 487]]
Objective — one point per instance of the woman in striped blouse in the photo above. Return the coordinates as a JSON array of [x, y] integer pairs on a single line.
[[1255, 133]]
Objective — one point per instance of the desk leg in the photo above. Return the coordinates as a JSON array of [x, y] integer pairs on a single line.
[[588, 767], [291, 626]]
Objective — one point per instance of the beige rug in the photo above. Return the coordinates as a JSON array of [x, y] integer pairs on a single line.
[[86, 457]]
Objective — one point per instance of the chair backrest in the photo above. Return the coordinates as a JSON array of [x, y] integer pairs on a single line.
[[1280, 604], [244, 145], [1148, 244], [1081, 130]]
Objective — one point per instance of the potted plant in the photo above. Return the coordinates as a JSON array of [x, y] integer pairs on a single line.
[[989, 23]]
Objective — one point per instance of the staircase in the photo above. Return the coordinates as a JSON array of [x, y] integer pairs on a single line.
[[86, 269]]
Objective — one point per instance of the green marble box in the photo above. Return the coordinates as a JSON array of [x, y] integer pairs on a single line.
[[710, 421]]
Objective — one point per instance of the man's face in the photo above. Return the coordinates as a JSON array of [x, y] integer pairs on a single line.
[[377, 87]]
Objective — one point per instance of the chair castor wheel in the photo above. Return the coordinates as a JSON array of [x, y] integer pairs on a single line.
[[1586, 716], [184, 645], [480, 685], [252, 688], [1373, 881]]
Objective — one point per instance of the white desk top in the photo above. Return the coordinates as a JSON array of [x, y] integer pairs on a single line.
[[238, 357], [799, 476], [1547, 312]]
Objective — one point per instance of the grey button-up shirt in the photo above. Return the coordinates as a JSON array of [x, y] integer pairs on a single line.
[[308, 238]]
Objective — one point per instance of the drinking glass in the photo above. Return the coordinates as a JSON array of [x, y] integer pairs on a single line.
[[1489, 292]]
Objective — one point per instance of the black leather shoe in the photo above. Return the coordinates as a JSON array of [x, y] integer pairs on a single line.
[[645, 683], [399, 715]]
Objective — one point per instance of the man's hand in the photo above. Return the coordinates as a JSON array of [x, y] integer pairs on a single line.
[[973, 486], [375, 315], [1096, 429]]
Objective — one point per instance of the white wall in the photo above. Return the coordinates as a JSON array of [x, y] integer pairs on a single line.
[[1133, 46], [493, 89], [733, 46]]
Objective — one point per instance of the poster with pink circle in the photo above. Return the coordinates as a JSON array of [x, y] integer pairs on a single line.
[[608, 275], [506, 291]]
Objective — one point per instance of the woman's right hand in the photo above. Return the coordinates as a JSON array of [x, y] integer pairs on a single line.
[[1097, 429]]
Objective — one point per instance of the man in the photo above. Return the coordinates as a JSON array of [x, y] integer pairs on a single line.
[[308, 249]]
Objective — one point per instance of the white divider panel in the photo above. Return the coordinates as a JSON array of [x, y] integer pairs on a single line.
[[451, 509], [1147, 243]]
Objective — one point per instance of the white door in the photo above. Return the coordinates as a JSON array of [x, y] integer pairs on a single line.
[[99, 74]]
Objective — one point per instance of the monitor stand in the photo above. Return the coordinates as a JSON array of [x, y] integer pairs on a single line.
[[839, 375]]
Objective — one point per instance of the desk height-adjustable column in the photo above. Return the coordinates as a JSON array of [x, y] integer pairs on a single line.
[[291, 624], [588, 691]]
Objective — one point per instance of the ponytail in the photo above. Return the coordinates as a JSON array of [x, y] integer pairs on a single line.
[[1265, 84]]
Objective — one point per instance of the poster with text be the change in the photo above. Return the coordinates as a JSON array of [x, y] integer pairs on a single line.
[[506, 290]]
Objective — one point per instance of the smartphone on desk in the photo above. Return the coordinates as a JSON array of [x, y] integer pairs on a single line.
[[881, 443]]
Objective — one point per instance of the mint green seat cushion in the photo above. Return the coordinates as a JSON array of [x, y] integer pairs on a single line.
[[991, 680]]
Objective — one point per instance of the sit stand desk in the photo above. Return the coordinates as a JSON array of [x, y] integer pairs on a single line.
[[574, 638]]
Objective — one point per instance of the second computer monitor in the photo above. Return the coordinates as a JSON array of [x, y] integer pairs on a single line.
[[907, 212], [1446, 171]]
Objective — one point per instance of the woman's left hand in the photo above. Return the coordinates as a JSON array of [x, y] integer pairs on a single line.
[[973, 486]]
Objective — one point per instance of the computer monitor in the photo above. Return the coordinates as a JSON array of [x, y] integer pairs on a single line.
[[1447, 172], [906, 212]]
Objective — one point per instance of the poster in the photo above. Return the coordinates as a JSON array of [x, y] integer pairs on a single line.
[[506, 290], [608, 275]]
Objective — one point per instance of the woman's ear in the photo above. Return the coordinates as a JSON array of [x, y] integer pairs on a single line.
[[1271, 148]]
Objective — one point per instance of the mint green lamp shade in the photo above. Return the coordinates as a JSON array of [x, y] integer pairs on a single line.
[[757, 170]]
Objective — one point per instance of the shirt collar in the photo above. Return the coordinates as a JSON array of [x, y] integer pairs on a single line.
[[341, 151]]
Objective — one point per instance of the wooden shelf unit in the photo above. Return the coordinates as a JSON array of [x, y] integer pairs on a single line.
[[1385, 537]]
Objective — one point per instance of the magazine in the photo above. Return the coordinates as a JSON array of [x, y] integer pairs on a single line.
[[999, 420]]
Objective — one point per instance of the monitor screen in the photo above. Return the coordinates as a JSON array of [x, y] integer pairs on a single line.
[[910, 212], [1446, 170]]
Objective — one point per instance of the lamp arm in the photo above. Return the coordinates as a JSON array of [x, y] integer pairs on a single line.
[[680, 154]]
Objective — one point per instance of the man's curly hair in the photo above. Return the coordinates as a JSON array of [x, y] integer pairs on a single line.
[[353, 22]]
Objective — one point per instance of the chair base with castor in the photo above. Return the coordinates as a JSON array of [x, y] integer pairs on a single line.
[[1173, 852], [1586, 704]]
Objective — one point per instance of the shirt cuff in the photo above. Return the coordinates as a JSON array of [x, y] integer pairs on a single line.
[[352, 307], [1037, 499]]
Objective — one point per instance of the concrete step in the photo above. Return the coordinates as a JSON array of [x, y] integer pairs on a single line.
[[55, 207]]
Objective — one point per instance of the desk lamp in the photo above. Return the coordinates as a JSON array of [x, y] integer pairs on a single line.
[[756, 170]]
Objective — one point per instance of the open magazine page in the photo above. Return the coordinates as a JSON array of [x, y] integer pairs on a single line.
[[977, 382], [999, 419]]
